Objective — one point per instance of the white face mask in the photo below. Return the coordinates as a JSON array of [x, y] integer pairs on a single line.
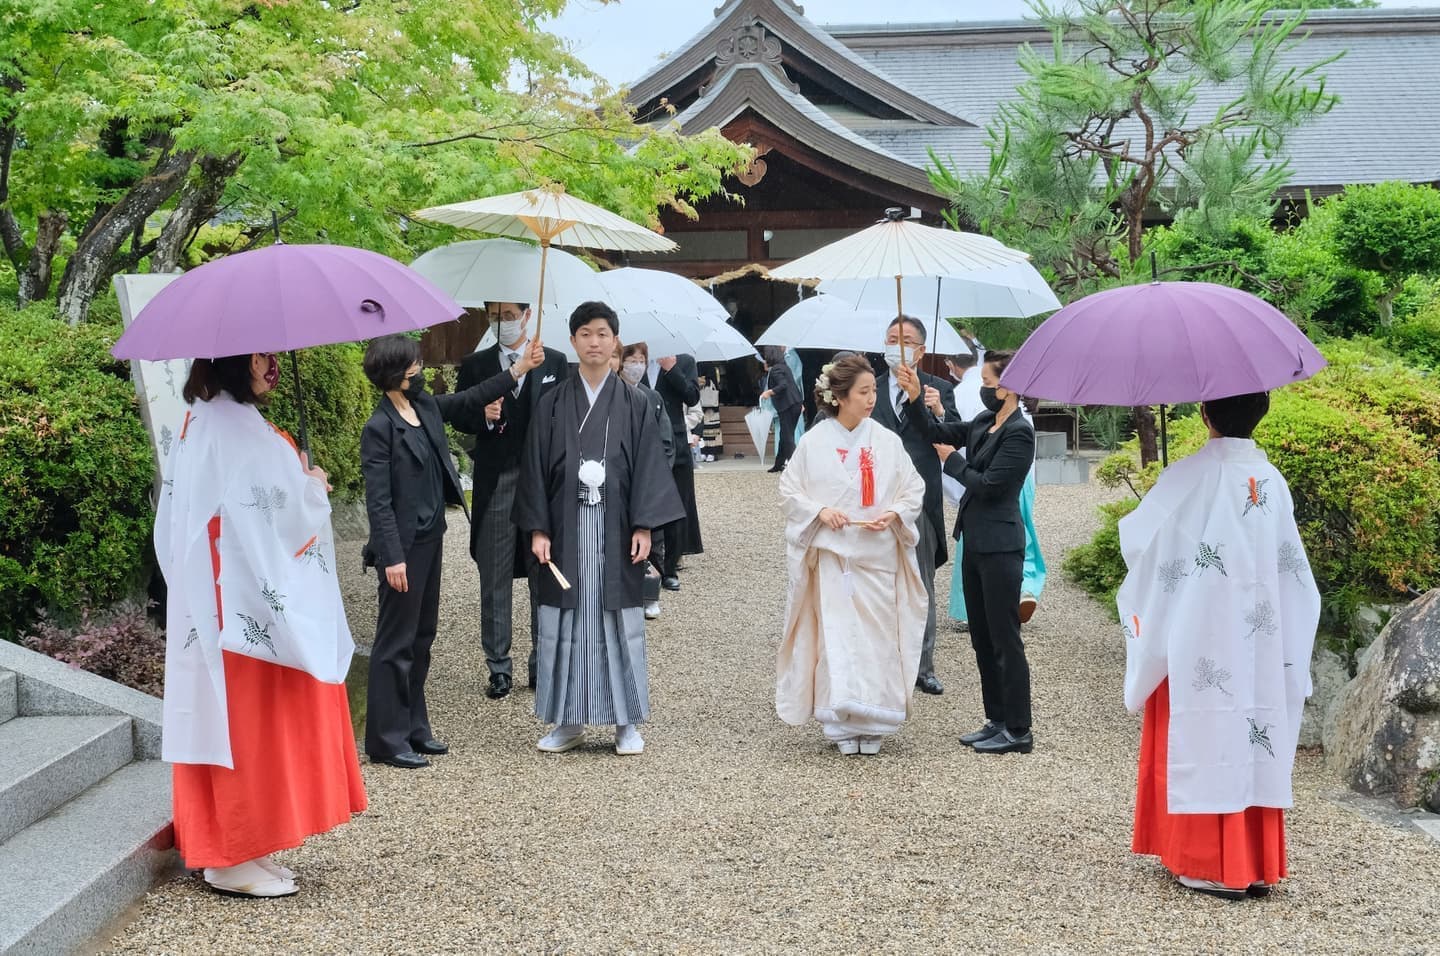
[[633, 372], [892, 356], [509, 332]]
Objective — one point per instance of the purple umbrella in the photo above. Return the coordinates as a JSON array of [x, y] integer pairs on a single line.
[[283, 298], [1161, 344]]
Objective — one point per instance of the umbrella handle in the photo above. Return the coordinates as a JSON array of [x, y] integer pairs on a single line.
[[300, 403], [900, 312], [540, 301]]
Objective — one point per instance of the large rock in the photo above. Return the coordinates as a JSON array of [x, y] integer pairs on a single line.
[[1384, 733], [1329, 675]]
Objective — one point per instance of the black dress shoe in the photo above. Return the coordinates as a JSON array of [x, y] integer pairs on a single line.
[[774, 471], [432, 746], [409, 760], [532, 681], [671, 583], [930, 684], [990, 729], [1005, 742], [499, 686]]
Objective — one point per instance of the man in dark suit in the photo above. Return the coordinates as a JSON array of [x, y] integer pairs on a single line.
[[906, 402], [495, 544], [999, 451], [676, 380], [784, 393]]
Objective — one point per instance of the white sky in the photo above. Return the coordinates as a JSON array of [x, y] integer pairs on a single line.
[[623, 39]]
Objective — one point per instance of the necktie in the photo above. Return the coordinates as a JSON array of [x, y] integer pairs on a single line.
[[900, 407], [510, 359]]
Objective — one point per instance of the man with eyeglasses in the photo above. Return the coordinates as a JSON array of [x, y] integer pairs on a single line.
[[495, 544]]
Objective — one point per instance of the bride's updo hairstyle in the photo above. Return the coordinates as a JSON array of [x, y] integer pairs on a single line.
[[837, 379]]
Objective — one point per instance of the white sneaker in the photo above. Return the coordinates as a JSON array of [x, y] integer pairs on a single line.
[[652, 610], [562, 738], [850, 746], [248, 879], [870, 746], [275, 869], [628, 741]]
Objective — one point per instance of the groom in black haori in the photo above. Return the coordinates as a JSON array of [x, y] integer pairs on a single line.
[[593, 485]]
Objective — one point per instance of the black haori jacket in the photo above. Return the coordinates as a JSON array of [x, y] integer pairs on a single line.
[[639, 489]]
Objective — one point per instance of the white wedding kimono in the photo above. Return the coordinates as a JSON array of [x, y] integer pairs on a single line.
[[1220, 599], [856, 612], [277, 587]]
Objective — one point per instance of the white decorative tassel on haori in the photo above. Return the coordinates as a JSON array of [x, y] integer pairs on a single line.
[[592, 476]]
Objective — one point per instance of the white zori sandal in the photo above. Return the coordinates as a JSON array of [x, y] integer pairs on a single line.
[[250, 878]]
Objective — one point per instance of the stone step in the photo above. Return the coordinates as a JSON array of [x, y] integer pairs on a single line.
[[45, 761], [9, 695], [1051, 444], [68, 877]]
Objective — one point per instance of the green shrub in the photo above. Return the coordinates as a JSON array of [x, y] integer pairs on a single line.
[[1359, 446], [1416, 338], [76, 471], [338, 402], [1098, 566]]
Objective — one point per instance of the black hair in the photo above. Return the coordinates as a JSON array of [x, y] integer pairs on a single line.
[[524, 306], [841, 377], [1237, 416], [209, 377], [1001, 360], [388, 358], [962, 360], [634, 347], [772, 354], [911, 321], [587, 312]]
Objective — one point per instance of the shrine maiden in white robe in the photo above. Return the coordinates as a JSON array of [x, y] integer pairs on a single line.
[[856, 612], [1220, 599], [277, 587]]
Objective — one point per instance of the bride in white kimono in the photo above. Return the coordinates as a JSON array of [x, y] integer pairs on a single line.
[[856, 612]]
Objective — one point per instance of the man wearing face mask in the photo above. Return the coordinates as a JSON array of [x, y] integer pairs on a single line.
[[497, 547], [907, 402], [632, 364], [676, 379]]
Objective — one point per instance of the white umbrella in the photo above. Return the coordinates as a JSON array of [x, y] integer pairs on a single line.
[[504, 270], [725, 344], [552, 217], [654, 290], [758, 421], [899, 248], [1014, 291], [827, 321]]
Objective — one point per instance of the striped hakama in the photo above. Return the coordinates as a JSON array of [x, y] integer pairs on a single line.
[[590, 666]]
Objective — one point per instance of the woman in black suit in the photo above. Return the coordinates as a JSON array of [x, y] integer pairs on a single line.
[[784, 394], [999, 451], [409, 479]]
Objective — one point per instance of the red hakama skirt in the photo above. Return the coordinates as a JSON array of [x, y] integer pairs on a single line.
[[296, 772], [1236, 849]]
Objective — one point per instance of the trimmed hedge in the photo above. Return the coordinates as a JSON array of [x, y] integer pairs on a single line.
[[338, 402], [75, 471]]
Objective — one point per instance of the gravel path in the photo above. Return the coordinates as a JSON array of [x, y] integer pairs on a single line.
[[737, 833]]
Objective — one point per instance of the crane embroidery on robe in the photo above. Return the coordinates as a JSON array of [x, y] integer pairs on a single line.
[[1257, 497], [1209, 557], [1208, 674], [1260, 736], [191, 638], [1290, 560], [257, 634], [1132, 628], [1172, 573], [1261, 619], [274, 598], [167, 438], [267, 501], [311, 554]]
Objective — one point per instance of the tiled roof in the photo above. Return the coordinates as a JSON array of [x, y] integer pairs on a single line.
[[1386, 126]]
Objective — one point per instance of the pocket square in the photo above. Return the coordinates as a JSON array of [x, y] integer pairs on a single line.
[[547, 380]]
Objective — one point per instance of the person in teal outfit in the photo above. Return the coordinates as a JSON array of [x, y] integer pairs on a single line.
[[1034, 580]]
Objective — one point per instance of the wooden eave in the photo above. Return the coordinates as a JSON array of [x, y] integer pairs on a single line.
[[822, 59]]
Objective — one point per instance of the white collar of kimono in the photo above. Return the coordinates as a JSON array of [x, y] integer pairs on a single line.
[[594, 393]]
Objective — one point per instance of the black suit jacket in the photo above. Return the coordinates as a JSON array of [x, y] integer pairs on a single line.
[[781, 381], [678, 388], [992, 472], [393, 463], [501, 448], [916, 436]]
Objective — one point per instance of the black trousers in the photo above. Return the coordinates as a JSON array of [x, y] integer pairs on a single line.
[[681, 537], [396, 718], [789, 418], [992, 600]]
